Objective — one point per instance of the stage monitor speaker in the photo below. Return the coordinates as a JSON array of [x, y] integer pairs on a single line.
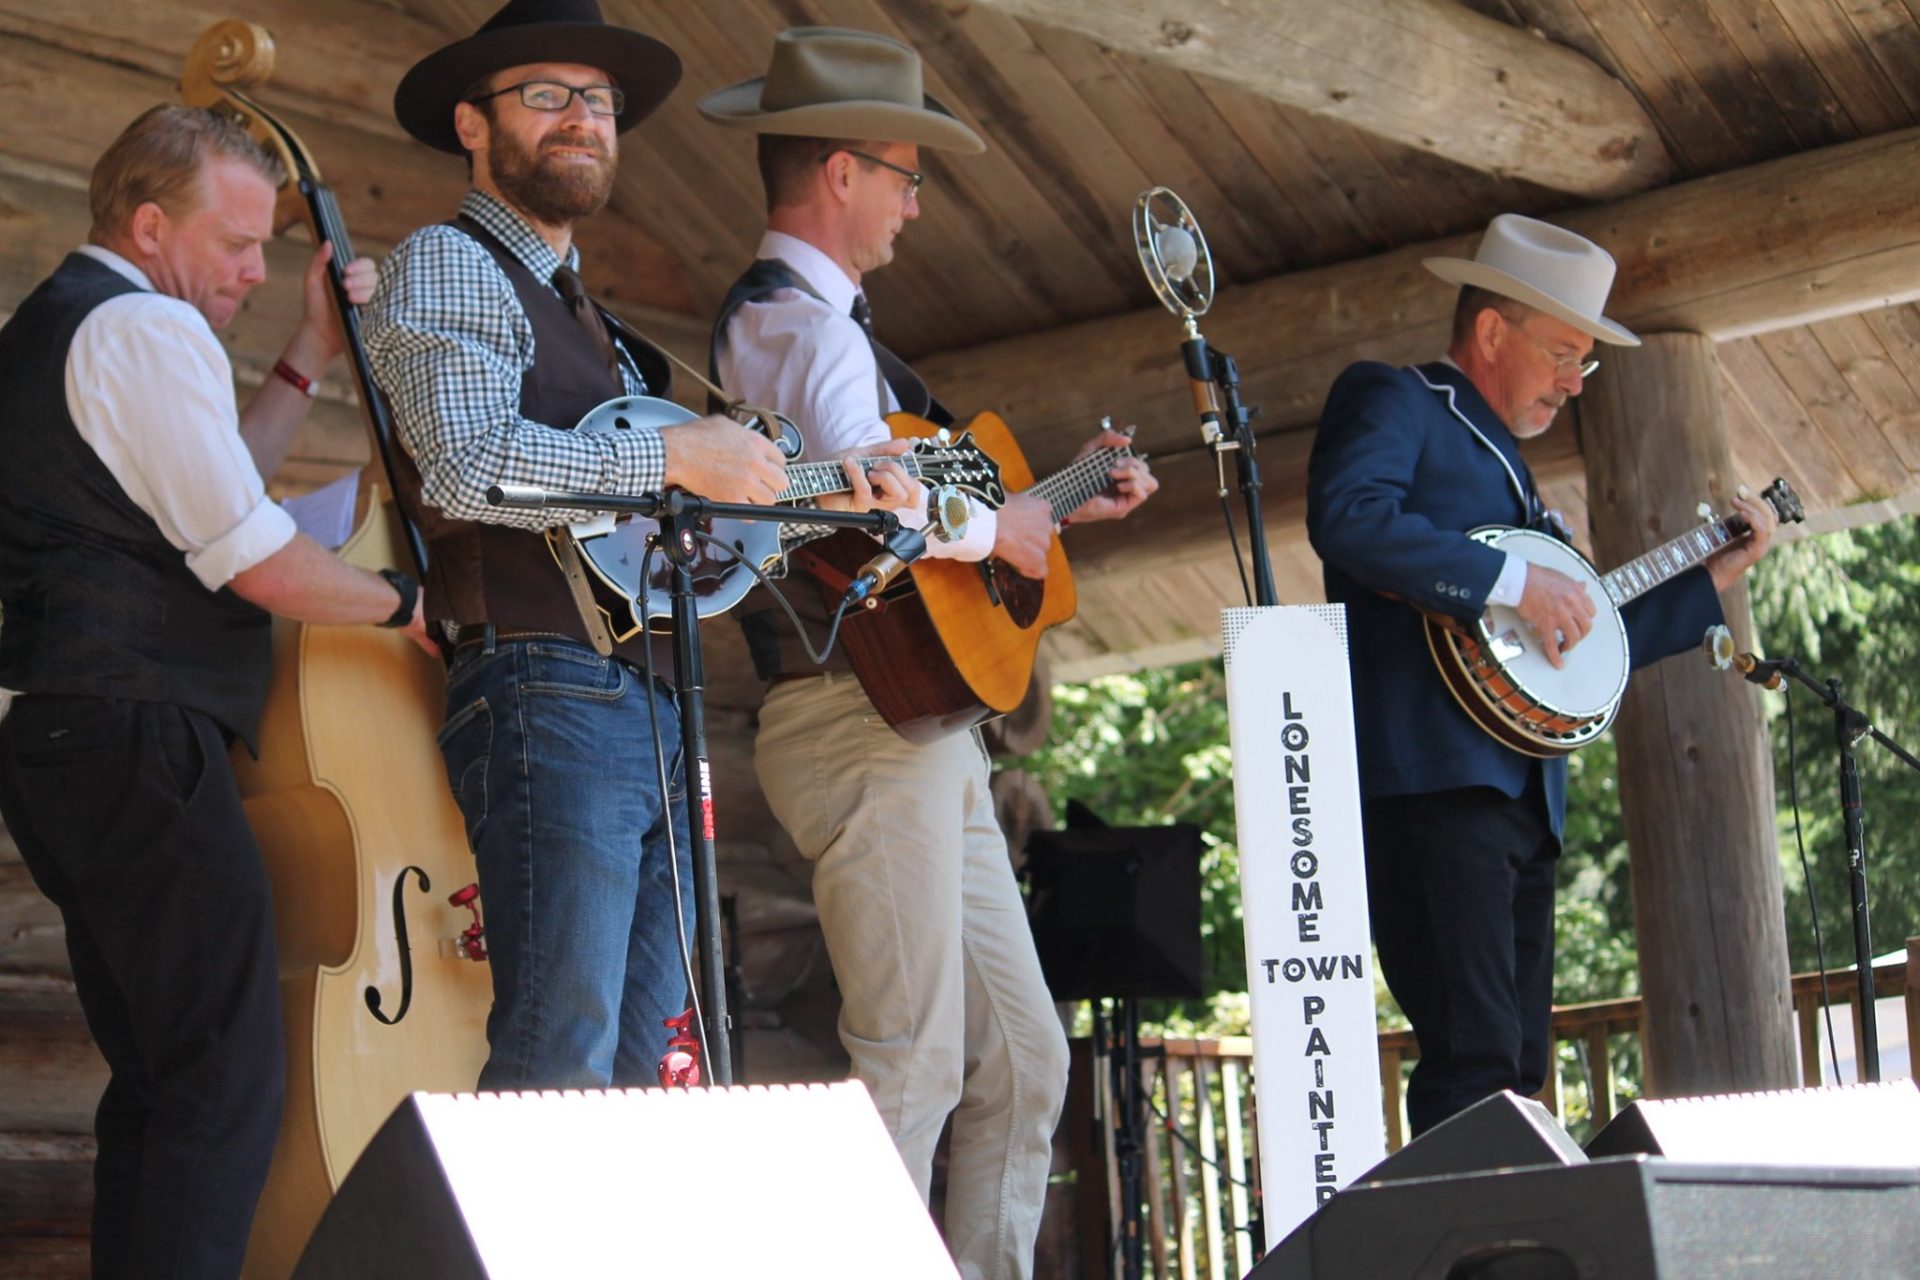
[[1504, 1131], [730, 1182], [1859, 1124], [1635, 1218], [1116, 911]]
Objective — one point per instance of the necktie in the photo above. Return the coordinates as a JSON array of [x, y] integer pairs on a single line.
[[587, 316], [908, 389]]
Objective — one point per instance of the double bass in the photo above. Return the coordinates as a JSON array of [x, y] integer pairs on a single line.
[[383, 981]]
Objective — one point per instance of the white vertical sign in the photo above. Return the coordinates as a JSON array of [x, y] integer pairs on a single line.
[[1303, 893]]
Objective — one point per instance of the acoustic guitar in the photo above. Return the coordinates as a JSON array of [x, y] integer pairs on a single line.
[[1497, 671], [953, 643]]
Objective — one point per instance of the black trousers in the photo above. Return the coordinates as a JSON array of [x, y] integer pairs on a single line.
[[1460, 891], [127, 817]]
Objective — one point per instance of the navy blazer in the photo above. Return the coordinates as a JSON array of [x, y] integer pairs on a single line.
[[1405, 463]]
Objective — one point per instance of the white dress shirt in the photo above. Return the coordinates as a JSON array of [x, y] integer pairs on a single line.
[[151, 391], [811, 360]]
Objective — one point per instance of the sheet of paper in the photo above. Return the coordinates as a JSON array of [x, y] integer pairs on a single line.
[[326, 514]]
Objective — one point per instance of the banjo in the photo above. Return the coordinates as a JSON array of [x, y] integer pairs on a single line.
[[615, 551], [1497, 672]]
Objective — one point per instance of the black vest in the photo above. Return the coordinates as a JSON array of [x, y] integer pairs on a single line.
[[478, 572], [97, 601], [771, 640]]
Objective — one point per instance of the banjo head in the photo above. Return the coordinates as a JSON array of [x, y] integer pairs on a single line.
[[1594, 674]]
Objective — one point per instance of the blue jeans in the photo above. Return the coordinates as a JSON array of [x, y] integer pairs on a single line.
[[550, 756]]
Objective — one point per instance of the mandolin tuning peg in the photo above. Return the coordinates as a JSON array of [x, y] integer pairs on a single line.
[[943, 437], [1705, 512]]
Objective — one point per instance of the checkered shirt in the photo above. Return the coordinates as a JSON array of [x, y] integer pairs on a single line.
[[449, 343]]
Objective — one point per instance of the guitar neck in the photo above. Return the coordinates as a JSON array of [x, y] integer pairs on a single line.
[[1081, 479], [1670, 559], [809, 480]]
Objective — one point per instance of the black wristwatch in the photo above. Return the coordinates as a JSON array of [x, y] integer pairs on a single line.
[[409, 594]]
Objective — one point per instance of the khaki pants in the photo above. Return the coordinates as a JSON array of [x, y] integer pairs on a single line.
[[944, 1008]]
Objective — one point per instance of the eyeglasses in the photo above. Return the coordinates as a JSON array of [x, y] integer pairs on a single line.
[[549, 95], [914, 177], [1562, 365]]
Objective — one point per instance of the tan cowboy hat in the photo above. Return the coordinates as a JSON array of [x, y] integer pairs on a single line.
[[528, 31], [832, 82], [1546, 267]]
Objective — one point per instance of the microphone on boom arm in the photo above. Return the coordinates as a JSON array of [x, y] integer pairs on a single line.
[[946, 519], [1765, 672]]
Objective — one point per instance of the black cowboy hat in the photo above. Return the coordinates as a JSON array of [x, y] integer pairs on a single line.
[[527, 31]]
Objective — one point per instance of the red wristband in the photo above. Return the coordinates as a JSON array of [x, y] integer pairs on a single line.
[[299, 381]]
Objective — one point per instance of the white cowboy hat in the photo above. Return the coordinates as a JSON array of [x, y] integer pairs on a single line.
[[832, 82], [1546, 267]]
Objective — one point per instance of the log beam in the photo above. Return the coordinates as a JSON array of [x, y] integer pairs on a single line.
[[1813, 236], [1696, 765], [1428, 74]]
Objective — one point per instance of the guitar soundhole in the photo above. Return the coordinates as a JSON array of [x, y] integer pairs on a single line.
[[1019, 595], [623, 424]]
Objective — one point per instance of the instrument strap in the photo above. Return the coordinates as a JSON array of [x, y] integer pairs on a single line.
[[766, 421]]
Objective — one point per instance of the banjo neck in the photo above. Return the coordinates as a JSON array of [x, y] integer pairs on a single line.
[[1670, 559]]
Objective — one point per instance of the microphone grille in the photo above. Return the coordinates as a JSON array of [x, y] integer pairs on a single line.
[[1179, 254]]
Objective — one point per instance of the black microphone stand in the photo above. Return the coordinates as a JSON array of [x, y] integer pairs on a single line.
[[1230, 430], [680, 514], [1850, 725]]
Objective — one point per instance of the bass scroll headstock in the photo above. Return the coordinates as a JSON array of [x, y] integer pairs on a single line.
[[231, 58]]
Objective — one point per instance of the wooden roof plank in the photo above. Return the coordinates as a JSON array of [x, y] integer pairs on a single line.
[[1110, 91], [1815, 116], [1891, 33], [1313, 220], [1709, 100], [1196, 125], [1808, 459], [1036, 114], [1430, 75], [1804, 366], [1886, 393], [1833, 45]]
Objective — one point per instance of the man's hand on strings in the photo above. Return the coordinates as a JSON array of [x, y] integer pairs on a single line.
[[1130, 483], [321, 339], [1728, 564], [884, 487], [1558, 609]]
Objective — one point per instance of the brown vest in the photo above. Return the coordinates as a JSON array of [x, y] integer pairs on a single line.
[[480, 573]]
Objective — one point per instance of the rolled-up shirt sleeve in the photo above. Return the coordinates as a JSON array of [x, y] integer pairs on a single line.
[[150, 389]]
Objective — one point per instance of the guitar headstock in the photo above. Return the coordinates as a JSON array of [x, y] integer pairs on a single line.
[[962, 464], [1784, 501]]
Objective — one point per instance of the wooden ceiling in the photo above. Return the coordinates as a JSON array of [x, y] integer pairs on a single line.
[[1307, 136]]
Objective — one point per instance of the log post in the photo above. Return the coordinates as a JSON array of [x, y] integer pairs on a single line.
[[1696, 772]]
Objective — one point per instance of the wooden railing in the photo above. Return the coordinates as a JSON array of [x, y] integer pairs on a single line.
[[1199, 1166]]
